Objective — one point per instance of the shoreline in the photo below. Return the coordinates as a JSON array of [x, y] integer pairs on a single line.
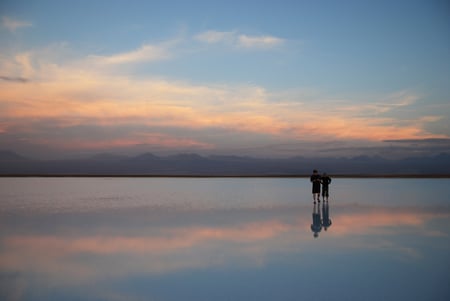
[[361, 176]]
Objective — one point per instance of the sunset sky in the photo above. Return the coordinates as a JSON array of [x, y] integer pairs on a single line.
[[271, 78]]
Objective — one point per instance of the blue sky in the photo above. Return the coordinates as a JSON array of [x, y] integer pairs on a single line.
[[280, 78]]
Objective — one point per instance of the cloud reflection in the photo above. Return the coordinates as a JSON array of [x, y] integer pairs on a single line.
[[248, 238], [375, 220]]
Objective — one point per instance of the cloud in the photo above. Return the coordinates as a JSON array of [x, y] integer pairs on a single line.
[[239, 40], [13, 24], [431, 146], [151, 139], [86, 91], [431, 141], [259, 41], [17, 67], [212, 36], [146, 53], [14, 79], [380, 104], [430, 118]]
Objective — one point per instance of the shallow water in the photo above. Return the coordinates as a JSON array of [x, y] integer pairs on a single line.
[[223, 239]]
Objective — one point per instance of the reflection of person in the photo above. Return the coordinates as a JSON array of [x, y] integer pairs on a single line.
[[315, 179], [326, 180], [316, 226], [326, 221]]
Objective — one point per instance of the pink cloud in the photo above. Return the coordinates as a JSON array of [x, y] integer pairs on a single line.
[[77, 94]]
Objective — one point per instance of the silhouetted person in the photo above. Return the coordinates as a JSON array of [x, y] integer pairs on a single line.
[[326, 221], [326, 180], [316, 226], [315, 179]]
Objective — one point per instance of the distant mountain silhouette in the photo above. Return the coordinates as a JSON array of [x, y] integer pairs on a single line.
[[186, 157], [107, 157], [145, 157], [6, 155], [196, 165]]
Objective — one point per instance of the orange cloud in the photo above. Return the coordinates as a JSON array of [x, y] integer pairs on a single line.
[[78, 93], [149, 139]]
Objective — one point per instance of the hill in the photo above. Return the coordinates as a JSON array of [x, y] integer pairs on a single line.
[[196, 165]]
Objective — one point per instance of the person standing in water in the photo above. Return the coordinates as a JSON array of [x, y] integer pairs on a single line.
[[315, 180], [326, 181]]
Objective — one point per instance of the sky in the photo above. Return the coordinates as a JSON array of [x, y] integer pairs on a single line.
[[271, 79]]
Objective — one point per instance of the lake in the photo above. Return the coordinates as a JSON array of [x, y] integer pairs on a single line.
[[223, 239]]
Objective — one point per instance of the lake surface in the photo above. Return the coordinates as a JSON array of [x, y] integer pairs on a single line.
[[223, 239]]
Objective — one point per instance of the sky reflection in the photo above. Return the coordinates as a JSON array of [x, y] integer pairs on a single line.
[[139, 253]]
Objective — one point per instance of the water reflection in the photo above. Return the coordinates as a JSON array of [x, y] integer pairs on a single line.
[[141, 251], [320, 218], [316, 226], [326, 221]]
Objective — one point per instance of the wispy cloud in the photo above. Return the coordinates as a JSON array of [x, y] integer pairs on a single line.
[[212, 36], [13, 79], [145, 53], [14, 24], [235, 39], [128, 139], [259, 41], [431, 141], [380, 104]]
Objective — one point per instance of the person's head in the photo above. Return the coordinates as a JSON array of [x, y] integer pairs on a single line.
[[315, 171]]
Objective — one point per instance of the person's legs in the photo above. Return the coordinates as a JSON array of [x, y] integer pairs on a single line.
[[324, 192], [316, 191]]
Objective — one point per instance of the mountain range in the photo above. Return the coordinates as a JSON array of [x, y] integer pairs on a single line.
[[148, 164]]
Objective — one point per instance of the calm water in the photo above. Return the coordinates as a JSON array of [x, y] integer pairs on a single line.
[[223, 239]]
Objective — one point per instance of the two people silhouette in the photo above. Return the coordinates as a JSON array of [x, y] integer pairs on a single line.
[[317, 180], [320, 219]]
